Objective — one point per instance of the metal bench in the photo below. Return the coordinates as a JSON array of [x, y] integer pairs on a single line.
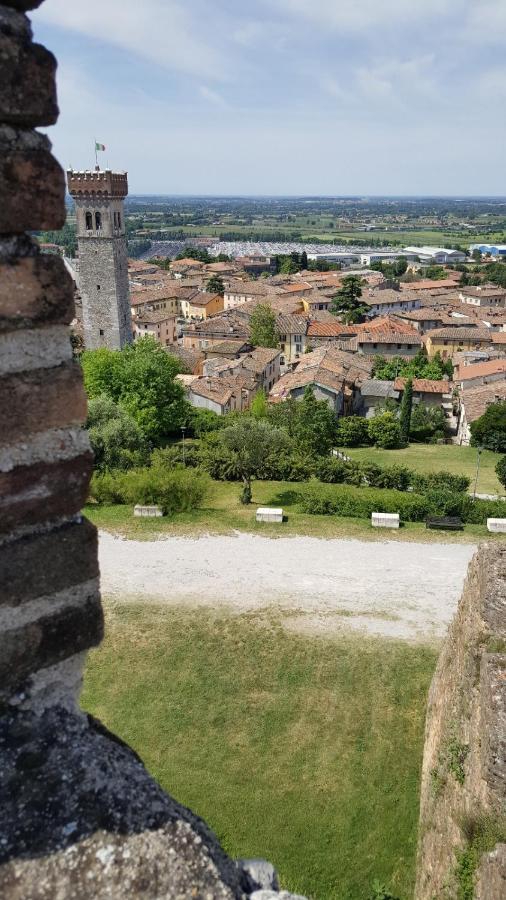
[[446, 523]]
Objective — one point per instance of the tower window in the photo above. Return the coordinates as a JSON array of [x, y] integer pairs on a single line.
[[119, 219], [98, 287], [101, 332], [98, 221], [89, 221]]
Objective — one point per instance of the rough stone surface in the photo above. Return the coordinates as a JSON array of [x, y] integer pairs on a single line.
[[22, 5], [27, 82], [30, 495], [38, 400], [464, 765], [491, 875], [38, 564], [81, 817], [260, 874], [32, 184], [35, 290], [49, 639]]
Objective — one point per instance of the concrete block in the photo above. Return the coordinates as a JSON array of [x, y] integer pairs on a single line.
[[384, 520], [496, 525], [147, 511], [269, 514]]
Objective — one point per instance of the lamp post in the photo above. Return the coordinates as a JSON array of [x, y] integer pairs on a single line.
[[477, 472], [183, 429]]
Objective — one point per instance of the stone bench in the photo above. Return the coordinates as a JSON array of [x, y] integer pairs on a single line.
[[269, 514], [497, 525], [385, 520], [148, 511]]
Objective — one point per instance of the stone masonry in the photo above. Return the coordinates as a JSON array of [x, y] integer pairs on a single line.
[[80, 816], [103, 261]]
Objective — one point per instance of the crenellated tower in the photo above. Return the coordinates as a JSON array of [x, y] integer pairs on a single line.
[[103, 261]]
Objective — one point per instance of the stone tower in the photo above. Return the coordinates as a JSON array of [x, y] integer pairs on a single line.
[[103, 264]]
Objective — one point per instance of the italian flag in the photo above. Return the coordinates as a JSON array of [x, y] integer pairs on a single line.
[[99, 146]]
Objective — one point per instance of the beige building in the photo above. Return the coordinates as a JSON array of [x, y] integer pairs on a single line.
[[292, 337], [449, 341], [157, 324], [201, 305]]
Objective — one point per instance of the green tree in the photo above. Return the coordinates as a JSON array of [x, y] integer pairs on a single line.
[[346, 303], [405, 411], [476, 255], [289, 266], [215, 285], [141, 378], [263, 330], [385, 432], [353, 431], [428, 423], [315, 426], [303, 260], [501, 471], [489, 430], [259, 405], [115, 437], [250, 442]]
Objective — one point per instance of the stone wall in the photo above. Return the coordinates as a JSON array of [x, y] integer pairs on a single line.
[[79, 815], [462, 835]]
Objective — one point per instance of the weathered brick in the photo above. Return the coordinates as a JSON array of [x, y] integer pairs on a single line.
[[39, 400], [44, 491], [35, 290], [49, 640], [38, 564], [32, 184], [27, 83]]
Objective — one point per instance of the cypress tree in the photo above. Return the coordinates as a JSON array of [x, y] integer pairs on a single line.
[[406, 407]]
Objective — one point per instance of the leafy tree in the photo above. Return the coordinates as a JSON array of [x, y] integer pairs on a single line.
[[501, 471], [428, 423], [263, 330], [215, 285], [116, 439], [346, 302], [476, 255], [289, 266], [198, 253], [303, 260], [249, 442], [141, 378], [315, 426], [437, 273], [405, 411], [385, 431], [489, 430], [353, 431], [259, 405], [419, 366]]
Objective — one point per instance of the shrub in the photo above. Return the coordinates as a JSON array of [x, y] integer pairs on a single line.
[[501, 471], [456, 483], [344, 500], [175, 490], [489, 430], [330, 470], [444, 502], [384, 431], [353, 431]]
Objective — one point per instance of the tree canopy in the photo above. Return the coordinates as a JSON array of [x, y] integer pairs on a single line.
[[263, 329], [116, 439], [420, 366], [215, 285], [489, 431], [140, 378], [346, 303]]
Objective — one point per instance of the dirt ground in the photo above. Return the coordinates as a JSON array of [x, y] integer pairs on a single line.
[[408, 591]]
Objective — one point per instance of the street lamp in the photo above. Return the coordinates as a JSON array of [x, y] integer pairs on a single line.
[[477, 471], [183, 429]]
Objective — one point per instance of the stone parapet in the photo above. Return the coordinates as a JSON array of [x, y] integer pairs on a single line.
[[98, 182]]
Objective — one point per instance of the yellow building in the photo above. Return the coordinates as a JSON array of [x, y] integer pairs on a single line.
[[202, 305], [448, 341]]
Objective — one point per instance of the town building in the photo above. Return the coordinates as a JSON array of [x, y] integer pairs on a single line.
[[449, 341], [483, 295], [436, 255], [157, 324], [474, 402], [384, 301], [201, 305], [479, 373], [491, 249], [374, 394], [103, 262]]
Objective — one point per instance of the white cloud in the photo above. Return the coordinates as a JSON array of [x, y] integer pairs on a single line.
[[160, 31], [213, 96]]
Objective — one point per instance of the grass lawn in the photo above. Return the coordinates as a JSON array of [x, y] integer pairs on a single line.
[[303, 750], [434, 457], [223, 513]]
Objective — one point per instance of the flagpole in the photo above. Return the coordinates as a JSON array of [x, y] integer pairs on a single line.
[[96, 155]]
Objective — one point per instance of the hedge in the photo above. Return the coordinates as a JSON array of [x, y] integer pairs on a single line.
[[175, 490]]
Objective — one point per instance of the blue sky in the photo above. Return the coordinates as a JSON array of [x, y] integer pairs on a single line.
[[283, 96]]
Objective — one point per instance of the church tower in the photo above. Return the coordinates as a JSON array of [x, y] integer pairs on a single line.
[[103, 262]]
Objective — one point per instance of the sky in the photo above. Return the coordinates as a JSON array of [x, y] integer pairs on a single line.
[[290, 97]]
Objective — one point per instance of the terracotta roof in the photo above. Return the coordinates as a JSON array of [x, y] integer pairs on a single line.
[[389, 337], [481, 370], [224, 347], [292, 324], [499, 337], [427, 284], [427, 314], [464, 333], [424, 385], [251, 288], [189, 358], [203, 299], [386, 325], [154, 317], [165, 292], [475, 400], [386, 296], [212, 388], [329, 329], [185, 263], [296, 287], [302, 377], [487, 290]]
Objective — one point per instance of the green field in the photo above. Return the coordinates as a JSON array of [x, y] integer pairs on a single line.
[[303, 750], [433, 458]]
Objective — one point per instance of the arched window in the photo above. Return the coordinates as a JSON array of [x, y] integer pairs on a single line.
[[98, 221], [119, 220], [89, 221]]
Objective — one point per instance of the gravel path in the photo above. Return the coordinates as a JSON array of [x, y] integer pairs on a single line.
[[395, 589]]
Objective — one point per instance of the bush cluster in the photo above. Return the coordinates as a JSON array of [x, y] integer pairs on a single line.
[[175, 490], [346, 500]]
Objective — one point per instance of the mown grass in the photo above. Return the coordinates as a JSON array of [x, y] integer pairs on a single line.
[[222, 513], [303, 750], [434, 458]]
